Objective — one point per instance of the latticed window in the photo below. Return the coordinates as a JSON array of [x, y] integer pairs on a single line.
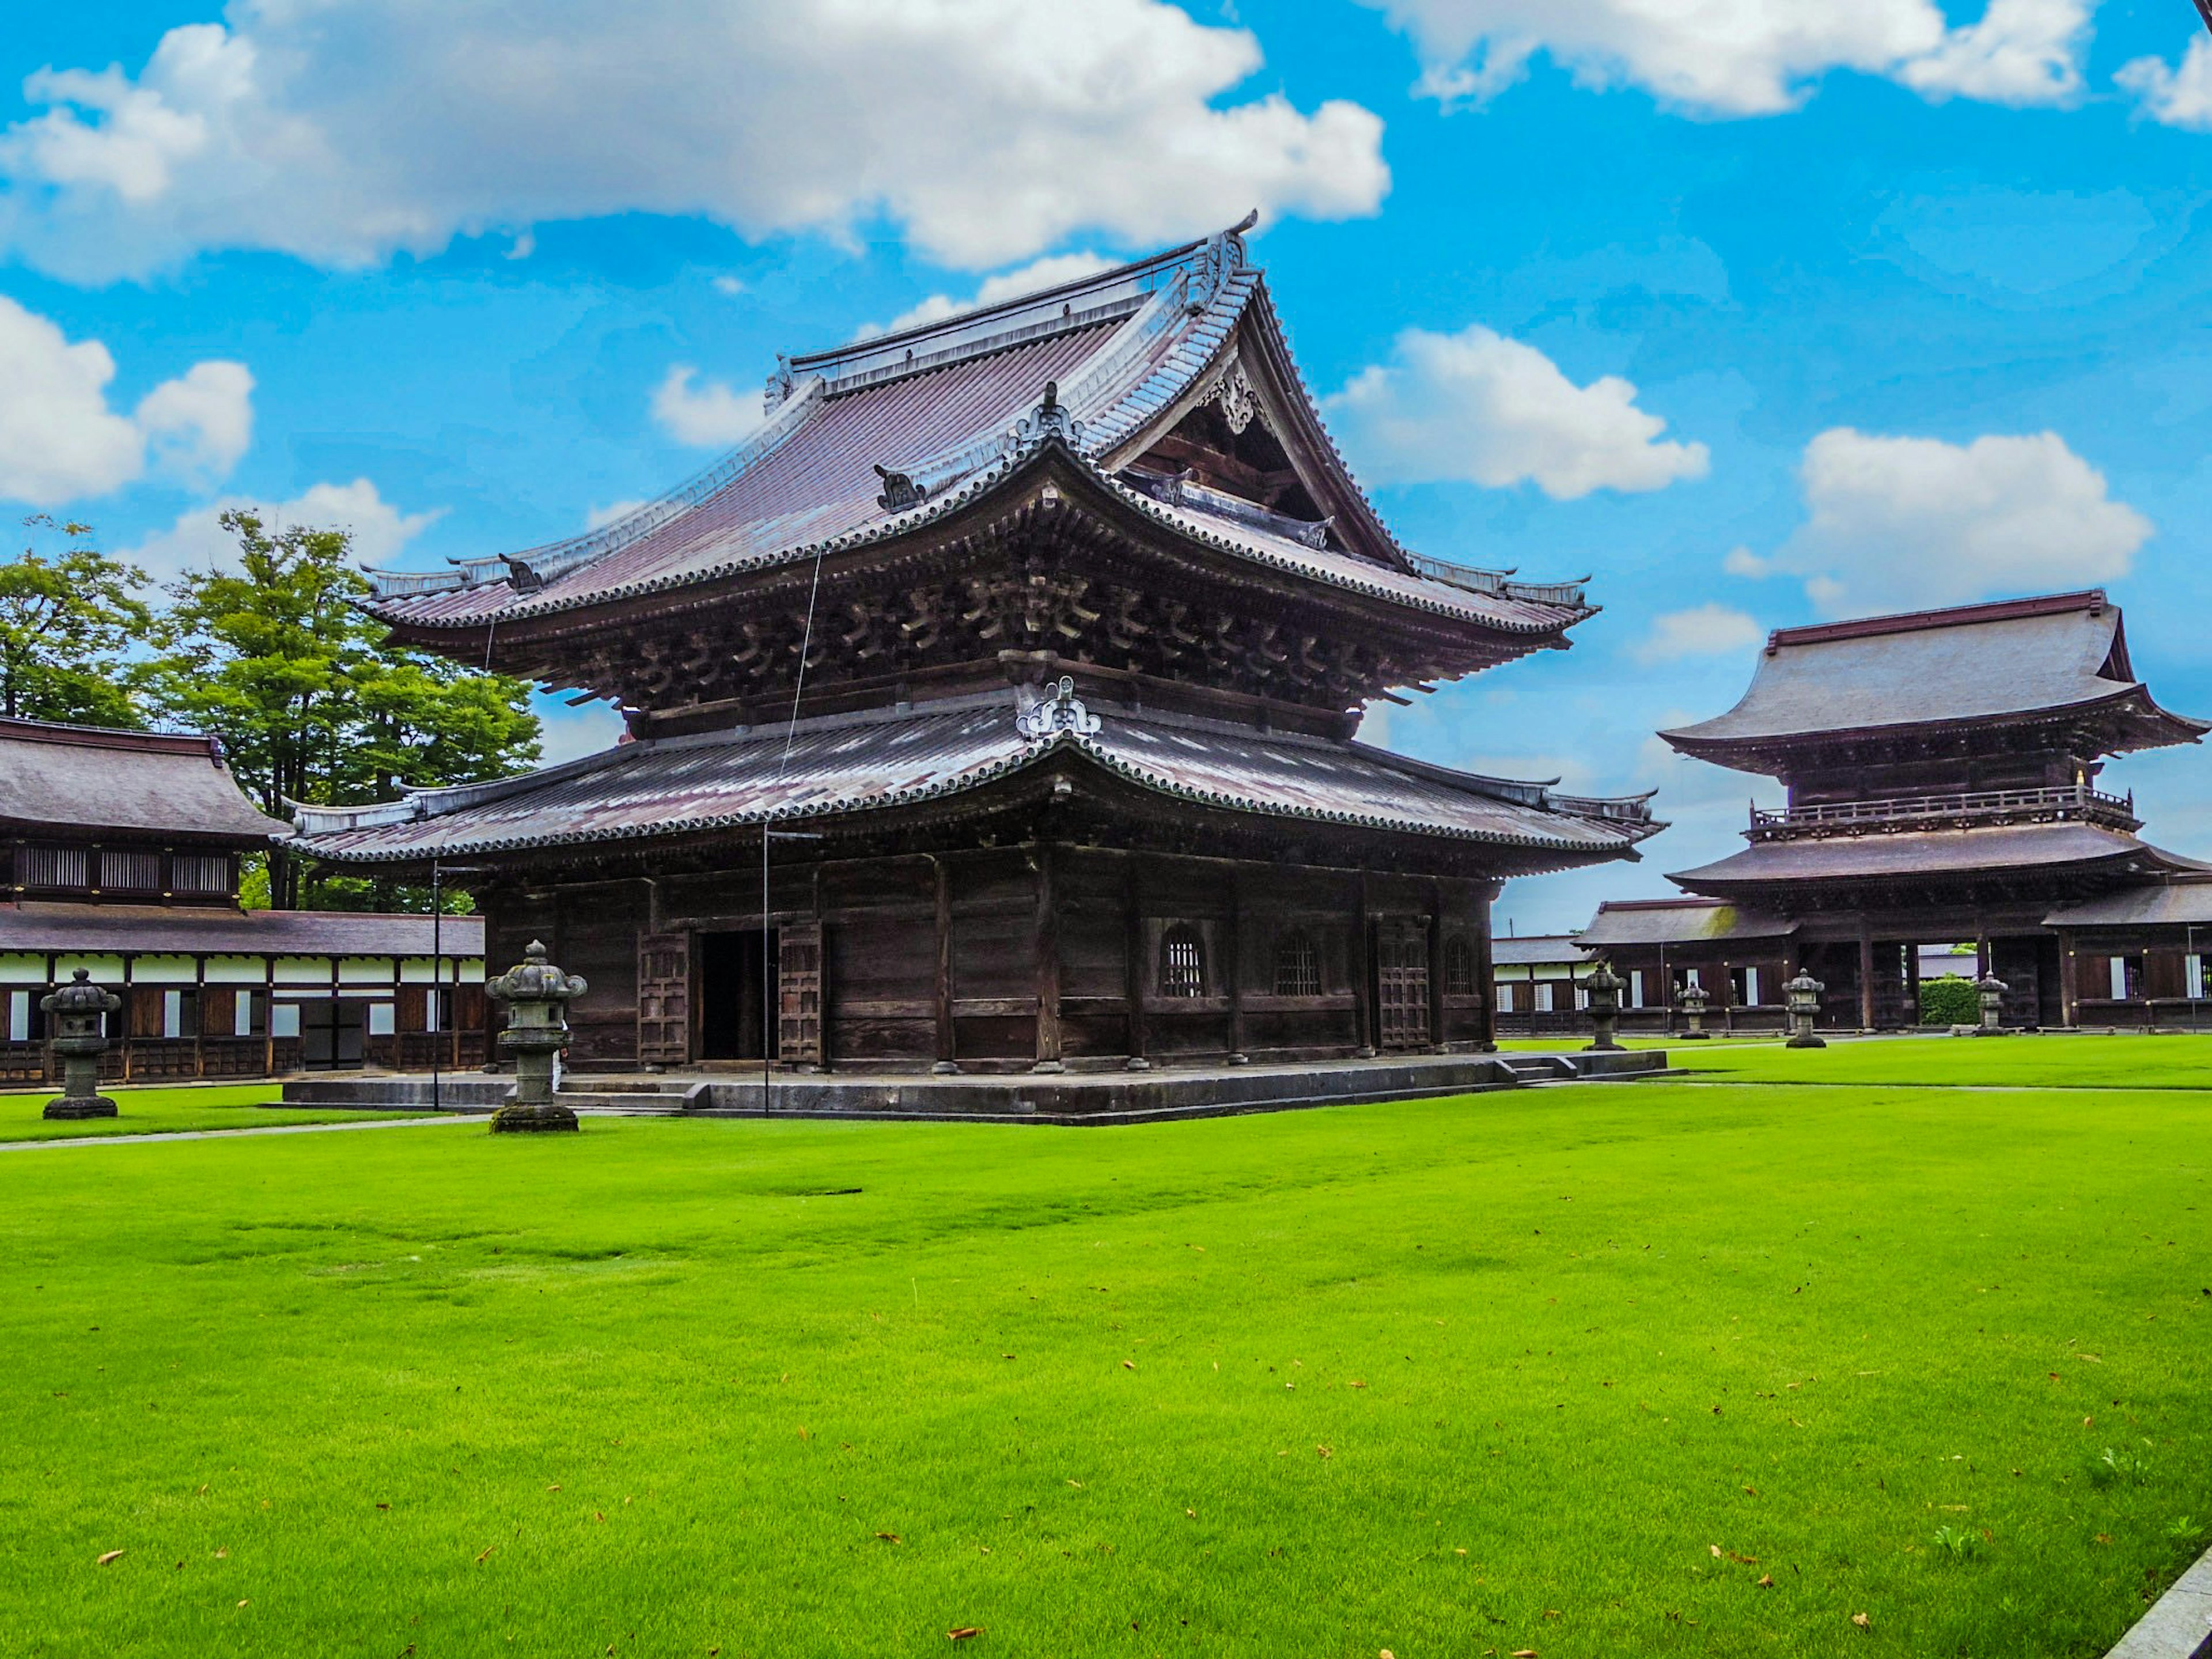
[[1182, 962], [55, 866], [1459, 969], [130, 872], [199, 872], [1297, 966]]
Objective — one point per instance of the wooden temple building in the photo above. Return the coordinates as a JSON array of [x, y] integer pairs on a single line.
[[1943, 772], [122, 852], [995, 708]]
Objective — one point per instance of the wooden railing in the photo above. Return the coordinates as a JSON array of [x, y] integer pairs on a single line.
[[2064, 801]]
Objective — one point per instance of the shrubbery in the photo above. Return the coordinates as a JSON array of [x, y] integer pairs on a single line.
[[1950, 1000]]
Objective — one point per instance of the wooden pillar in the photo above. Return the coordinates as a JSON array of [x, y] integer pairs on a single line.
[[1485, 970], [1136, 962], [1912, 984], [1363, 978], [1047, 966], [1866, 977], [1232, 968], [199, 1014], [947, 1061], [2069, 982], [1436, 965], [268, 1016]]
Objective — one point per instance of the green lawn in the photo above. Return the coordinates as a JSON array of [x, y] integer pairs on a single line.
[[162, 1111], [1495, 1373], [2052, 1060]]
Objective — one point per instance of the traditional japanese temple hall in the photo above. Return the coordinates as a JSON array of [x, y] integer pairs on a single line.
[[993, 712], [1944, 772]]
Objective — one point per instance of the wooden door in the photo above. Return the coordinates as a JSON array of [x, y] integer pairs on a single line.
[[1401, 983], [664, 998], [799, 993]]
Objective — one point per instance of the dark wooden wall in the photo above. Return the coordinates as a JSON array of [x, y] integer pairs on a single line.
[[995, 959]]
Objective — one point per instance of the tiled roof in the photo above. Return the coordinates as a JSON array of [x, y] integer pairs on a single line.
[[2023, 848], [1679, 921], [1537, 950], [87, 778], [842, 766], [952, 406], [2181, 904], [1974, 663], [154, 929]]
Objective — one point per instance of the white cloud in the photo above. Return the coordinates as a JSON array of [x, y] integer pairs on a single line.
[[2174, 97], [201, 425], [729, 287], [1901, 523], [1048, 272], [59, 440], [711, 417], [199, 542], [1479, 407], [599, 517], [987, 130], [1733, 57], [1708, 630]]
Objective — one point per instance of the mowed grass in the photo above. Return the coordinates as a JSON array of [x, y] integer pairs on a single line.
[[166, 1111], [1501, 1372], [2020, 1060]]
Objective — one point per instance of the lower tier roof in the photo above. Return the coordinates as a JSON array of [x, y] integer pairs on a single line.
[[1679, 921], [217, 931], [2032, 849], [846, 767]]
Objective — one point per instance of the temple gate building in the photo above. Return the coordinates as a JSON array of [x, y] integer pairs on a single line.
[[1943, 773], [993, 708]]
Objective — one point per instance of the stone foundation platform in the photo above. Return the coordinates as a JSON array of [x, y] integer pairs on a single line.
[[1093, 1097]]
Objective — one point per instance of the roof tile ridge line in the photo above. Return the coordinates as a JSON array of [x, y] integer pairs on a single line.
[[1138, 772], [28, 729], [1299, 385], [1050, 328], [1154, 317], [967, 490], [417, 805], [1547, 800], [1015, 303], [2042, 712], [2091, 599], [1182, 519], [1223, 309]]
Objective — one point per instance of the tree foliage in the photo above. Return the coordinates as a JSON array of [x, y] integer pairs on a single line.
[[68, 623], [275, 658]]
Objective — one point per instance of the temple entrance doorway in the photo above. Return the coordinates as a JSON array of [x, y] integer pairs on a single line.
[[1402, 975], [732, 995]]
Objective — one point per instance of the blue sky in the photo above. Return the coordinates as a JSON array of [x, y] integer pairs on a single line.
[[1813, 308]]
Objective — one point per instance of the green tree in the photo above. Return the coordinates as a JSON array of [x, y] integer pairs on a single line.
[[276, 658], [68, 622]]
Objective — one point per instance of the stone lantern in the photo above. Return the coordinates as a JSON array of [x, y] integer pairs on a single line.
[[1992, 990], [1694, 998], [536, 995], [74, 1014], [1605, 988], [1804, 994]]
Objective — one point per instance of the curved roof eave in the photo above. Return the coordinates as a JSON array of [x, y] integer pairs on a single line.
[[971, 493], [967, 782]]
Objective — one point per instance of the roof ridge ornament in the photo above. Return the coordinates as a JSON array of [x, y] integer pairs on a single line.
[[1222, 257], [1049, 419], [1062, 711], [900, 490], [780, 386]]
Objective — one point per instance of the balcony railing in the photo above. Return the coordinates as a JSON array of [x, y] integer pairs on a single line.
[[2062, 801]]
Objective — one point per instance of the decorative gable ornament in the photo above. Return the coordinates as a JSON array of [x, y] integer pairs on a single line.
[[1063, 711], [1049, 419], [1235, 395]]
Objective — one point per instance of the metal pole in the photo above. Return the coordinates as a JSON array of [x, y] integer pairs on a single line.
[[437, 969]]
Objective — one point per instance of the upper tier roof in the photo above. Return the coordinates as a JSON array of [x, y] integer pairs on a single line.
[[876, 438], [83, 780], [2013, 662]]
